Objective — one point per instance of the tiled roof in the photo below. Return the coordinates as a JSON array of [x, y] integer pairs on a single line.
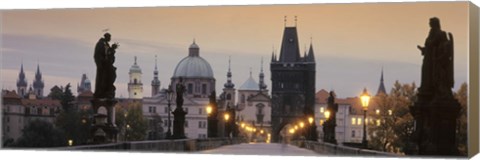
[[10, 94], [41, 102]]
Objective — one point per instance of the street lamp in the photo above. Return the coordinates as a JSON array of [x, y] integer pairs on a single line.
[[365, 99], [310, 120], [209, 110], [226, 116], [327, 114], [169, 101]]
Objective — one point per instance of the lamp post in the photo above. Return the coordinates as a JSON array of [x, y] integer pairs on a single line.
[[169, 100], [365, 98], [226, 117]]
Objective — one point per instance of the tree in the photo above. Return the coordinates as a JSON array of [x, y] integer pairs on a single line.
[[130, 121], [461, 137], [73, 122], [39, 133], [56, 93], [391, 128], [156, 127]]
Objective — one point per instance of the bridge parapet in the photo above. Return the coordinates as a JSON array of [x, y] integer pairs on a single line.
[[180, 145], [328, 148]]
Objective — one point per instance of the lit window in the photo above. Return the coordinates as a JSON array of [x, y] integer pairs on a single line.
[[390, 112], [353, 121], [378, 122], [321, 122], [377, 111], [353, 133], [359, 121], [322, 109]]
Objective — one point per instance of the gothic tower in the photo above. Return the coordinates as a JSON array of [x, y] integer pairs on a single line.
[[38, 84], [22, 83], [229, 88], [381, 87], [293, 83], [155, 81], [135, 86]]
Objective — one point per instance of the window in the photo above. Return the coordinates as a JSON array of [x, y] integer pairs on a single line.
[[135, 81], [8, 118], [8, 128], [202, 124], [359, 121], [200, 111], [353, 133], [353, 121], [199, 124], [152, 109], [186, 109], [186, 124], [190, 88], [39, 111], [204, 88], [322, 109], [229, 96]]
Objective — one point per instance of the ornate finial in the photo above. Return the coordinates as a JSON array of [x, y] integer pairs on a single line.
[[229, 63], [250, 71], [135, 57], [261, 66], [285, 21], [155, 62], [311, 41], [193, 40]]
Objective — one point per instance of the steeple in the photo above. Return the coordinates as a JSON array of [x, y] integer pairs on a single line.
[[38, 84], [311, 55], [381, 87], [84, 85], [135, 86], [262, 84], [155, 81], [229, 83], [22, 83]]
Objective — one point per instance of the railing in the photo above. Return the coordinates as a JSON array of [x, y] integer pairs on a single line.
[[328, 148], [180, 145]]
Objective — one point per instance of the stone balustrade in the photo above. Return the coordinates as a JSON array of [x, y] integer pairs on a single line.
[[179, 145], [333, 149]]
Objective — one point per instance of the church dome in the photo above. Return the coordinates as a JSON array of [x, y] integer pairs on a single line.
[[193, 66], [249, 84], [135, 68]]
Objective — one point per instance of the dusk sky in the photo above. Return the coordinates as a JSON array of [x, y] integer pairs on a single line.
[[352, 42]]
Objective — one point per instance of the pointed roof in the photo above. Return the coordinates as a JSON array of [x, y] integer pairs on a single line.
[[22, 81], [38, 83], [155, 80], [311, 55], [289, 51], [381, 87], [229, 83], [249, 84]]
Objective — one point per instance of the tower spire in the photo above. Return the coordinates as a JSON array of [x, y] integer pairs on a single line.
[[381, 87], [229, 83], [155, 81], [261, 77]]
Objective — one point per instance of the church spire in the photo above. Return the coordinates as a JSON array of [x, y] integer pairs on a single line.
[[38, 84], [229, 83], [262, 84], [381, 87], [311, 55], [21, 83], [155, 81]]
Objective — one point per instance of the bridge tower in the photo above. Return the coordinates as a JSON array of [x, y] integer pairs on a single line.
[[293, 83]]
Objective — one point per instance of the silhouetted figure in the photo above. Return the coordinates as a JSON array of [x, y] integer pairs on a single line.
[[435, 110], [104, 57], [179, 113], [180, 89], [437, 69]]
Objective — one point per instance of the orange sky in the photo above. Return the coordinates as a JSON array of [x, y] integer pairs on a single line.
[[351, 41]]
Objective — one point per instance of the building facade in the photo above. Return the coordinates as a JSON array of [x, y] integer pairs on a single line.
[[135, 86]]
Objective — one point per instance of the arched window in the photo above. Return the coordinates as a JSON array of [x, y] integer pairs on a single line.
[[135, 81]]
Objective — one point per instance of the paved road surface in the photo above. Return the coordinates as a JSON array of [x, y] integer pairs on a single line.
[[276, 149]]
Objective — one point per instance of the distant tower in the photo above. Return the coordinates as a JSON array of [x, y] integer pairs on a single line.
[[85, 85], [135, 86], [293, 84], [155, 81], [38, 84], [22, 83], [381, 87], [229, 88], [262, 85]]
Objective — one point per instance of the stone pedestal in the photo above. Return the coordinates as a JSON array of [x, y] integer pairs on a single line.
[[435, 125], [179, 123], [103, 129]]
